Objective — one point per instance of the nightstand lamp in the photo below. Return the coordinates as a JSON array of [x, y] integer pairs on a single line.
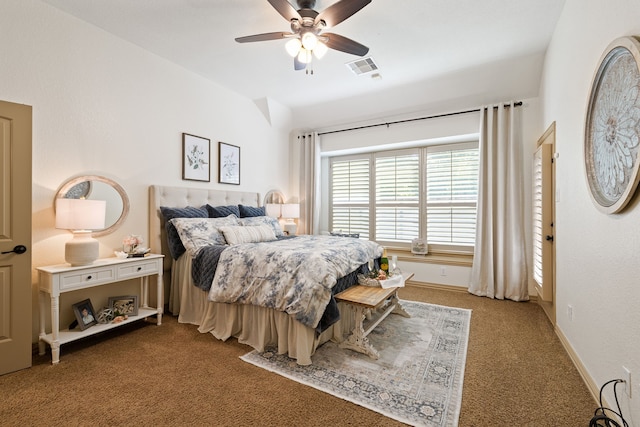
[[290, 211], [272, 209], [81, 216]]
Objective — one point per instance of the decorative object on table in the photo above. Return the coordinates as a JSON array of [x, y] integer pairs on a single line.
[[121, 254], [384, 262], [612, 128], [229, 164], [126, 305], [81, 216], [417, 378], [105, 315], [196, 158], [290, 212], [85, 315], [132, 246], [419, 246]]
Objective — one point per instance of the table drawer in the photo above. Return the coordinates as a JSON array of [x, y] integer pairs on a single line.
[[86, 278], [138, 269]]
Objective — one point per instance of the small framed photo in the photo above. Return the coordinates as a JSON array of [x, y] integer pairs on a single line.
[[229, 167], [85, 315], [124, 305], [196, 157]]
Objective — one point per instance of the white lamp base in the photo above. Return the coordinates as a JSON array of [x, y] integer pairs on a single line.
[[82, 249], [290, 228]]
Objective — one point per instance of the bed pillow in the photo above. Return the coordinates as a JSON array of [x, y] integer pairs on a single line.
[[263, 220], [356, 235], [223, 211], [176, 248], [248, 234], [196, 233], [251, 211]]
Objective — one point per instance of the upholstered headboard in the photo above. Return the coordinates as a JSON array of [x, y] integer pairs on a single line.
[[183, 197]]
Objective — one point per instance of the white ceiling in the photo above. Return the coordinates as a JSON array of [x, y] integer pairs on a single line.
[[430, 52]]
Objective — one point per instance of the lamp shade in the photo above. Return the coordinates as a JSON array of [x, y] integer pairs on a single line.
[[80, 214], [272, 209], [291, 210]]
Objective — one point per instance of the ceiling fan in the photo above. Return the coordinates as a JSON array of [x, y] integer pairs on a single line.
[[306, 38]]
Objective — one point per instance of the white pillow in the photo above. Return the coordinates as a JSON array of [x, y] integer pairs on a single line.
[[248, 234], [196, 233], [260, 220]]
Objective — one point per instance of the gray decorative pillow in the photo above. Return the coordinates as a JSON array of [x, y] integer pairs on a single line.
[[260, 220], [176, 248], [248, 234], [250, 211], [196, 233], [223, 211]]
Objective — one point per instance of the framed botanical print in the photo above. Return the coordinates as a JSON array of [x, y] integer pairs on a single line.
[[196, 157], [612, 127], [229, 164]]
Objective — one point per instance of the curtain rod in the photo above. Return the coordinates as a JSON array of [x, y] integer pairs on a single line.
[[515, 104]]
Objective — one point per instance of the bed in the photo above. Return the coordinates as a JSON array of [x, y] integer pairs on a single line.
[[257, 326]]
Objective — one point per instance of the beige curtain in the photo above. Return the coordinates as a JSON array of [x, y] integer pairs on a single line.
[[499, 265], [309, 183]]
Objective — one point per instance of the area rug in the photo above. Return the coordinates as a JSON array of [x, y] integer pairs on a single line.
[[417, 378]]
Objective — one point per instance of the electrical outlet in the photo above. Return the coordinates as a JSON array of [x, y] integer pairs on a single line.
[[570, 312], [443, 271], [626, 376]]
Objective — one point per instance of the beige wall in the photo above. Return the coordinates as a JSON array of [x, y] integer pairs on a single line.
[[598, 255], [104, 106]]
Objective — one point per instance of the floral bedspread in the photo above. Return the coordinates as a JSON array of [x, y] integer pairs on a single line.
[[294, 275]]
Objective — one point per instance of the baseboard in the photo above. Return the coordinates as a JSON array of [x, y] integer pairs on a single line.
[[436, 286], [451, 288], [591, 385]]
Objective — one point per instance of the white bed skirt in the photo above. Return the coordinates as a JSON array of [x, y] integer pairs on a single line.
[[255, 326]]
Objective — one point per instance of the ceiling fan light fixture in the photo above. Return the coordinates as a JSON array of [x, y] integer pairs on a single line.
[[309, 40], [320, 50], [304, 56], [293, 47]]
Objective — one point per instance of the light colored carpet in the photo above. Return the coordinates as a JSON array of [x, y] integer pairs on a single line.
[[417, 378]]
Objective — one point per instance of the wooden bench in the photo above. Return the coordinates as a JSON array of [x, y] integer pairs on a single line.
[[366, 300]]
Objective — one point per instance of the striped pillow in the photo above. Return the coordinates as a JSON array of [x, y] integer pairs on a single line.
[[248, 234]]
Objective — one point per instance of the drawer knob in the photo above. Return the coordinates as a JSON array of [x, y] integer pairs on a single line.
[[139, 268], [89, 277]]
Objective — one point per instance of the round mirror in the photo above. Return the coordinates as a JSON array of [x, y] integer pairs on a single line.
[[96, 187], [274, 196]]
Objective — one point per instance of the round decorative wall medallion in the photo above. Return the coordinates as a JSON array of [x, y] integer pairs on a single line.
[[612, 128]]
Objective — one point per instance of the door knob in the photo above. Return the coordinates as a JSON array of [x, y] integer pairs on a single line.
[[19, 249]]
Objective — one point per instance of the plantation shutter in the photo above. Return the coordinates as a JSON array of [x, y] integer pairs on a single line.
[[350, 196], [542, 222], [452, 194], [397, 196]]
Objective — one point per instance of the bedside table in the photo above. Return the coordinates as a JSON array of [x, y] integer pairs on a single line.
[[56, 279]]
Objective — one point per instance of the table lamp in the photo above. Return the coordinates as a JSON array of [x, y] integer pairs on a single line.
[[290, 211], [272, 209], [81, 216]]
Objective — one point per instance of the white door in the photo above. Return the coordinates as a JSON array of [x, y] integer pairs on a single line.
[[15, 237]]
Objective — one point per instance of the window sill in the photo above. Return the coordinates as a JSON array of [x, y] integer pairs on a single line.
[[444, 258]]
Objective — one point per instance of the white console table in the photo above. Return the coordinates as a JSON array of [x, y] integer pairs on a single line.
[[56, 279]]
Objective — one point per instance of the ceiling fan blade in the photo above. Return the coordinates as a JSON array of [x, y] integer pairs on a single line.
[[263, 37], [285, 9], [343, 44], [338, 12], [298, 65]]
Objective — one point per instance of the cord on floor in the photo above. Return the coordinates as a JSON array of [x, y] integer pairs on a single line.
[[601, 417]]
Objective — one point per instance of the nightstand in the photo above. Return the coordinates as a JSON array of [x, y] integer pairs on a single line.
[[57, 279]]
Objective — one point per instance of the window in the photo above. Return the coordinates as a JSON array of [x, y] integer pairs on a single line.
[[393, 197]]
